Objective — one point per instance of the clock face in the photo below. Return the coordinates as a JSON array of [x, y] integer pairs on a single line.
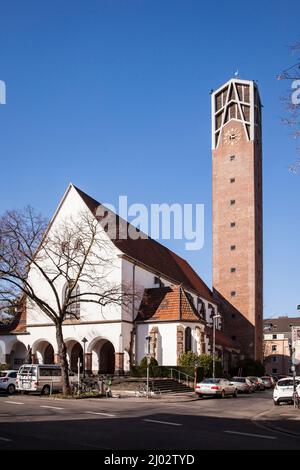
[[232, 136]]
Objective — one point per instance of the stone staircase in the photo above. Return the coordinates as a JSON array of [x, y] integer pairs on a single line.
[[158, 385], [169, 386]]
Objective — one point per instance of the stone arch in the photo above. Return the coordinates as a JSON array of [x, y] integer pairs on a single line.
[[42, 352], [102, 353], [74, 352], [18, 354]]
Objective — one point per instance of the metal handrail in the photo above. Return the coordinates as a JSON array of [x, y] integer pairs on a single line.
[[188, 378]]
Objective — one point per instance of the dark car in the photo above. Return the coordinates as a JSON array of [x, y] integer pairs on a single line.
[[259, 385], [269, 382]]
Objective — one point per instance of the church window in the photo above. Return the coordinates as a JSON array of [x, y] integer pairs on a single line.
[[188, 339]]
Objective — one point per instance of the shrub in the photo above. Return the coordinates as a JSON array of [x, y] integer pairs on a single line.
[[189, 359], [143, 363]]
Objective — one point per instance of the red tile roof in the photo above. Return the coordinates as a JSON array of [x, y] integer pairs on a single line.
[[155, 256], [167, 304]]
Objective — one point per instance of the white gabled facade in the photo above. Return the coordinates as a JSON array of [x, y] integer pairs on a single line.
[[112, 333]]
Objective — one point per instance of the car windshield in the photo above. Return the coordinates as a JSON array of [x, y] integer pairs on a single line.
[[287, 383], [211, 381], [3, 374], [238, 379]]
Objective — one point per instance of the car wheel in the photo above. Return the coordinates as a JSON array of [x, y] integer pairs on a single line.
[[276, 403], [11, 389], [199, 396], [235, 394], [46, 390], [222, 394]]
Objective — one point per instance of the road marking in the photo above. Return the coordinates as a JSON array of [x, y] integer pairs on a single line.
[[52, 407], [161, 422], [14, 402], [5, 439], [262, 436], [102, 414]]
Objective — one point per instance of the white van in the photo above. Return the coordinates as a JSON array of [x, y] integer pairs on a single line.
[[41, 378]]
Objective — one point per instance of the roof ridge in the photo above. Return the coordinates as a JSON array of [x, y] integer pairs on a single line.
[[167, 262]]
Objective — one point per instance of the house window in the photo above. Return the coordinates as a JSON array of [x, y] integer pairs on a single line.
[[274, 347], [188, 339], [232, 180], [232, 202], [233, 293], [233, 338], [232, 158], [232, 270], [233, 315], [274, 371], [274, 359], [274, 336], [232, 224], [233, 247]]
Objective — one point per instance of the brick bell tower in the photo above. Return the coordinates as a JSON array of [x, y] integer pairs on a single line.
[[237, 212]]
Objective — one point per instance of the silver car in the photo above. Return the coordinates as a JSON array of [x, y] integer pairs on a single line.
[[216, 387], [243, 384]]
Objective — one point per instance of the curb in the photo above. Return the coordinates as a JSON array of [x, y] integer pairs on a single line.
[[267, 425]]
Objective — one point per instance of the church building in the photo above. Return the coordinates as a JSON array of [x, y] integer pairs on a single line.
[[171, 305]]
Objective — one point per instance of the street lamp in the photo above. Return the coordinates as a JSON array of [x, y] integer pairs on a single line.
[[148, 355], [84, 341], [215, 317]]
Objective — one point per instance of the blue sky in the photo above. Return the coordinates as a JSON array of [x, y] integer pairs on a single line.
[[113, 95]]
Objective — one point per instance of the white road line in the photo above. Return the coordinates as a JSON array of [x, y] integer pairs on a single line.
[[5, 439], [14, 402], [161, 422], [52, 407], [102, 414], [262, 436]]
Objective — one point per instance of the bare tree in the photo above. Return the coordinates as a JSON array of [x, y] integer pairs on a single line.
[[56, 270], [291, 101]]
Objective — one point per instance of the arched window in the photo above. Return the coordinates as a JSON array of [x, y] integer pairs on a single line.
[[73, 310], [188, 339]]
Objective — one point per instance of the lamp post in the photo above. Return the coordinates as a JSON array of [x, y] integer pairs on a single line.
[[84, 341], [215, 317], [148, 355]]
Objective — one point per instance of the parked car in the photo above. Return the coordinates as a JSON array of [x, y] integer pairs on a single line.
[[41, 378], [268, 382], [216, 387], [243, 384], [258, 383], [284, 389], [8, 381]]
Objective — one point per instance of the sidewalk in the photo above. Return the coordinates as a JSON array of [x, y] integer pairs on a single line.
[[284, 418], [164, 397]]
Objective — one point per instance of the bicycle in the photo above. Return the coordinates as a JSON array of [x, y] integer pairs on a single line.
[[141, 390], [81, 388]]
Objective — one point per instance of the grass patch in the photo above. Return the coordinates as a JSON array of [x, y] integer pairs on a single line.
[[77, 397]]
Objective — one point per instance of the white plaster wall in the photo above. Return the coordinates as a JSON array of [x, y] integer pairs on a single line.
[[73, 206], [168, 332]]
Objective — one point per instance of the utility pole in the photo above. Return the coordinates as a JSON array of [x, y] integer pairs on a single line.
[[148, 355], [215, 317]]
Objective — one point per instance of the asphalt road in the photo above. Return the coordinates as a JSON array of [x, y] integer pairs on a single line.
[[33, 422]]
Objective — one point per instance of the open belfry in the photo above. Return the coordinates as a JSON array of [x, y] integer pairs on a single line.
[[237, 212]]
